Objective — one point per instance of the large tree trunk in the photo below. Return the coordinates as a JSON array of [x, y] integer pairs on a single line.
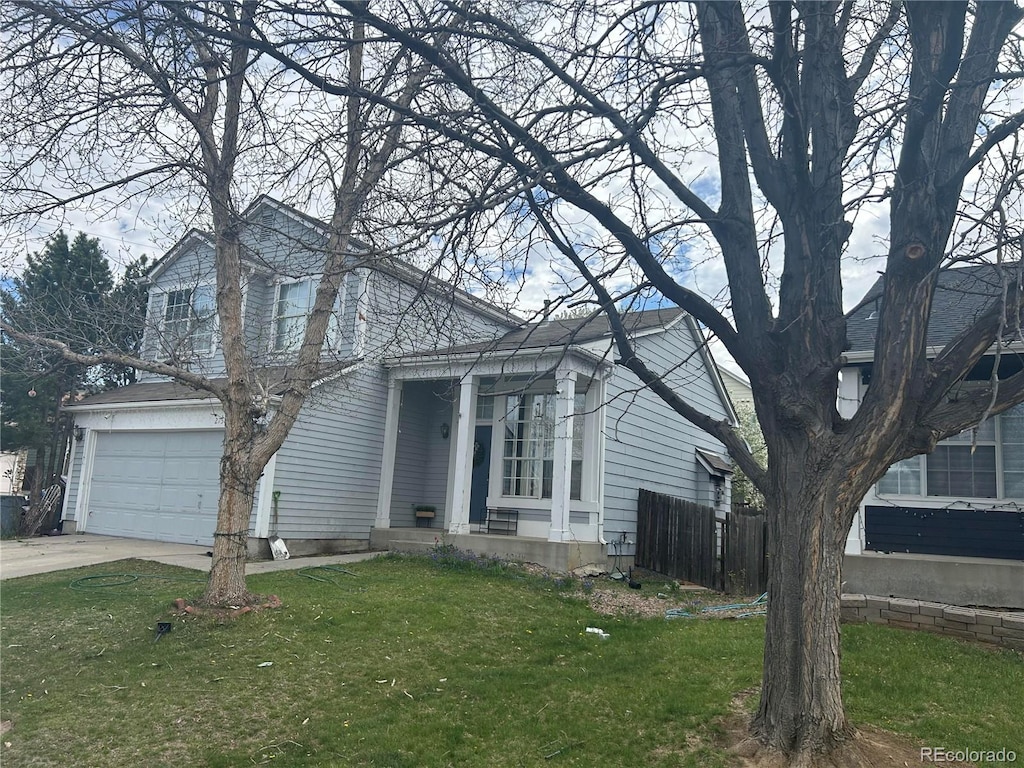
[[239, 475], [801, 710]]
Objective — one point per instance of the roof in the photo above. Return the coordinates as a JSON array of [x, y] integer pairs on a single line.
[[560, 333], [961, 296], [277, 378], [144, 392], [390, 265], [714, 462]]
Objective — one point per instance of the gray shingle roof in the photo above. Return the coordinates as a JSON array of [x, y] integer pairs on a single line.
[[277, 380], [961, 295], [144, 392], [560, 333], [716, 461]]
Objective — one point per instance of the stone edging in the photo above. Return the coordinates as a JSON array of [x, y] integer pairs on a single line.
[[993, 627]]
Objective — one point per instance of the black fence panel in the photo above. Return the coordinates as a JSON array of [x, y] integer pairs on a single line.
[[997, 533]]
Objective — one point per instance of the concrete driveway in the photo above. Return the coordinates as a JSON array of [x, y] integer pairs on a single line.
[[26, 557]]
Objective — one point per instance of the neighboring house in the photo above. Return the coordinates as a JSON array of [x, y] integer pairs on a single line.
[[948, 526], [738, 388], [437, 415], [12, 472]]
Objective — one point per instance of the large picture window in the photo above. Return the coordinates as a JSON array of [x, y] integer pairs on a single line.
[[189, 318], [528, 456], [982, 463]]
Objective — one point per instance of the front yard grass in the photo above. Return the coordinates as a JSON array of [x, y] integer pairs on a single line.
[[413, 662]]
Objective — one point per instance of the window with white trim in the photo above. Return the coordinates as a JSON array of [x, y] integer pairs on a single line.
[[529, 446], [985, 462], [1011, 426], [292, 306], [903, 478], [294, 300], [190, 315], [484, 407]]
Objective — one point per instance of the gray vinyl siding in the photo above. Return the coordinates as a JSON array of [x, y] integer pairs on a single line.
[[400, 317], [291, 250], [421, 455], [328, 470], [403, 318], [258, 309], [74, 479], [282, 245], [151, 335], [647, 444], [193, 268]]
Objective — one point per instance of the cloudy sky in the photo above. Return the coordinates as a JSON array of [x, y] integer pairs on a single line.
[[151, 224], [145, 229]]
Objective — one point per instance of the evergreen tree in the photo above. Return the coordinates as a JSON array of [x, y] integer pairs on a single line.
[[64, 289], [126, 315]]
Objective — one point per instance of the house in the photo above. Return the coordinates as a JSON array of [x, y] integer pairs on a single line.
[[948, 526], [437, 415], [738, 388]]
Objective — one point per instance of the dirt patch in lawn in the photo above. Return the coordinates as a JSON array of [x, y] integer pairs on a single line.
[[869, 747], [614, 601], [658, 596], [182, 607]]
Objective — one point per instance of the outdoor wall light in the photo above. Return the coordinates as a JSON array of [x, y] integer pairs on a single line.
[[79, 434], [445, 431]]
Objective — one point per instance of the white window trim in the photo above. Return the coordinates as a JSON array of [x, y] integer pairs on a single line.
[[165, 295], [508, 401], [335, 336], [588, 473], [909, 498]]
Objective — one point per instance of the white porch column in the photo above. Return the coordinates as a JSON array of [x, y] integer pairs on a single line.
[[462, 469], [387, 463], [85, 481], [565, 395], [847, 405], [265, 500]]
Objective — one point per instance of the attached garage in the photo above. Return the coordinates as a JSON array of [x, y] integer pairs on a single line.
[[156, 485]]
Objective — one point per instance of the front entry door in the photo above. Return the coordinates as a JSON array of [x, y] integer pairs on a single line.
[[481, 475]]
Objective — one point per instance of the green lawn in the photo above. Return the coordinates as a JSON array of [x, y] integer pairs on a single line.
[[415, 663]]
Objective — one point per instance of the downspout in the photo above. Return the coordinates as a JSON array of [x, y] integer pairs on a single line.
[[362, 311], [601, 411]]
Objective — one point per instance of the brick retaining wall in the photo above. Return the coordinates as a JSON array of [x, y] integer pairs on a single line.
[[994, 627]]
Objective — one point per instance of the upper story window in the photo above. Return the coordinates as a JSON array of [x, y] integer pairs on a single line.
[[294, 300], [190, 315], [982, 463], [292, 306]]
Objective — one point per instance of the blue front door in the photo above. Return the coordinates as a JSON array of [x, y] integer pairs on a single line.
[[481, 475]]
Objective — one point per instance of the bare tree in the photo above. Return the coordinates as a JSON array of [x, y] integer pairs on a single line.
[[174, 98], [639, 139], [653, 135]]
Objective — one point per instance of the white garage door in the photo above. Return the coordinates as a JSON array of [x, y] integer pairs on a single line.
[[156, 485]]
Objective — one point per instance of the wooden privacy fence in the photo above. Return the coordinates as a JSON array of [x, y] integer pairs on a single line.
[[744, 555], [682, 539], [678, 538]]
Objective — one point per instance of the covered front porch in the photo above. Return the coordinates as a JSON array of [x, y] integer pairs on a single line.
[[498, 455]]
